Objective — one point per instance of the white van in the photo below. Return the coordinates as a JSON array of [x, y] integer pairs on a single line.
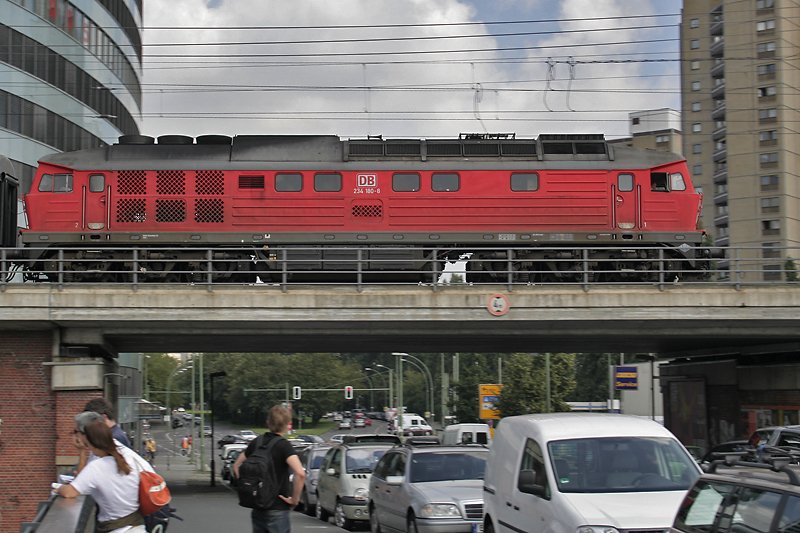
[[568, 472], [414, 425], [455, 434]]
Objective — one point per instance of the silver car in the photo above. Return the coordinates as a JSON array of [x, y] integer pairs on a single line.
[[428, 489], [344, 482], [311, 459]]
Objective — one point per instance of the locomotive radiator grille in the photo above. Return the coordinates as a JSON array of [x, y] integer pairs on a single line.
[[131, 210], [170, 182], [367, 211], [170, 210], [209, 210], [210, 182], [132, 182]]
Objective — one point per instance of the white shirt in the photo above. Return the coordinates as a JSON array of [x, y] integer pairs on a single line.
[[116, 494]]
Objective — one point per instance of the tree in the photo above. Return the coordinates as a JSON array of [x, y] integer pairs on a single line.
[[791, 270], [474, 370], [591, 378], [525, 387]]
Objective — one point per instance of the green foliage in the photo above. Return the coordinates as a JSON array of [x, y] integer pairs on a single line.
[[474, 370], [158, 367], [791, 270], [591, 377], [525, 383]]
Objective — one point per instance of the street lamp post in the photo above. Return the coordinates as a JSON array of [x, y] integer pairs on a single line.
[[426, 371], [399, 356], [390, 403], [428, 393], [371, 394], [211, 377]]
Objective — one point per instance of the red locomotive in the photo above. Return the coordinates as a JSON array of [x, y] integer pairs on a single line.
[[261, 201]]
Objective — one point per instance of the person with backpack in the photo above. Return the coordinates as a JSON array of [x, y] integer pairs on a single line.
[[262, 473]]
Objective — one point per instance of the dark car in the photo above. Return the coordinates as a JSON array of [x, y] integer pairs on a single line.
[[742, 497], [231, 439]]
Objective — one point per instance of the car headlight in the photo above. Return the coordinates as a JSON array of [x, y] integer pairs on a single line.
[[440, 510], [361, 494], [597, 529]]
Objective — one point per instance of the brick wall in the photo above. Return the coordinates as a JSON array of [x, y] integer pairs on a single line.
[[36, 433]]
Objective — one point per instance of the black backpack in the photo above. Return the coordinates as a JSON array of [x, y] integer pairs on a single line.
[[258, 483]]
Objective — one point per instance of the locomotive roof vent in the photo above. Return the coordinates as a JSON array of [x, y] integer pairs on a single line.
[[578, 146], [214, 139], [175, 139], [136, 139]]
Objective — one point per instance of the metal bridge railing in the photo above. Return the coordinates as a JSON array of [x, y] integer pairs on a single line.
[[431, 268]]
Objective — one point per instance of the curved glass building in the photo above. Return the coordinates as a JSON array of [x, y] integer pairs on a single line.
[[70, 76]]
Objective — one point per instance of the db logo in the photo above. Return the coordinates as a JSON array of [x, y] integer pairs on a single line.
[[367, 180]]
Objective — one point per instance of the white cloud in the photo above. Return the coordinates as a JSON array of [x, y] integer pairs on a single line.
[[227, 95]]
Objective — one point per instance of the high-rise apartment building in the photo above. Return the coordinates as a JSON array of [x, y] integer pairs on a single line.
[[70, 76], [741, 128]]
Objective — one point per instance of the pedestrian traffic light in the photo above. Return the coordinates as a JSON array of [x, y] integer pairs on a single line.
[[348, 393], [296, 393]]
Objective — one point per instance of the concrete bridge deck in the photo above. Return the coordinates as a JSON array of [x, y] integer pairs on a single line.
[[673, 321]]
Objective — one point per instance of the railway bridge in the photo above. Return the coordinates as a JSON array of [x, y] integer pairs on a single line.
[[59, 342]]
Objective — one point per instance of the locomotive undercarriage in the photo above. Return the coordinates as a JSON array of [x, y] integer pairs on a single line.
[[377, 264]]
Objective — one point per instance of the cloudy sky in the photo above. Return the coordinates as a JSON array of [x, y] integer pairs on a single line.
[[406, 68]]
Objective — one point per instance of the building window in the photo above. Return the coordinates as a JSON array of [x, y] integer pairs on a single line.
[[723, 231], [763, 48], [662, 138], [696, 106], [765, 4], [694, 65], [697, 148], [694, 23], [770, 250], [721, 210], [697, 170], [763, 70], [635, 121], [697, 127], [769, 157], [767, 114], [771, 204], [696, 85], [765, 25], [770, 227], [694, 44], [766, 91], [767, 136], [720, 188], [769, 182]]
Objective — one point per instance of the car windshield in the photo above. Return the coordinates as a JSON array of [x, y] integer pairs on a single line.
[[621, 464], [447, 466], [362, 460]]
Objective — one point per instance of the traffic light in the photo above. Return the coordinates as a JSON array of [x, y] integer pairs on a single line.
[[296, 393], [348, 393]]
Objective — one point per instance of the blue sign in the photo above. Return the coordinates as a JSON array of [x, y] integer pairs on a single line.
[[626, 378]]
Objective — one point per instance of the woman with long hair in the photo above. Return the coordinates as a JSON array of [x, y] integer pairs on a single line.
[[112, 479]]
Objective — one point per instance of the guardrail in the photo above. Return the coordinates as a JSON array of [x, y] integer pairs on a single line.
[[430, 267], [63, 515]]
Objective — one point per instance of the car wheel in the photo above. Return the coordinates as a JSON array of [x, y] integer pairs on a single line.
[[320, 512], [374, 523], [340, 519], [310, 510], [488, 527], [411, 524]]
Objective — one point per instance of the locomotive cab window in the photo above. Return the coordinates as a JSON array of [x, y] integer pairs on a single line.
[[97, 182], [405, 182], [444, 182], [676, 182], [524, 181], [658, 182], [288, 182], [625, 182], [56, 183], [327, 182]]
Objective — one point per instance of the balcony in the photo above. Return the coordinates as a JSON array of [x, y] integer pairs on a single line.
[[718, 113], [718, 48], [720, 154], [721, 175], [721, 198], [719, 133], [718, 70], [717, 26], [718, 92]]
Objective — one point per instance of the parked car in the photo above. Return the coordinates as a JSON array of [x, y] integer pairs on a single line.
[[466, 434], [371, 437], [343, 483], [206, 431], [228, 455], [247, 434], [346, 423], [311, 459], [231, 439], [337, 438], [584, 472], [428, 489], [311, 439], [742, 497]]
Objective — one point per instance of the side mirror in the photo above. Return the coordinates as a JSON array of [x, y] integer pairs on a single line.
[[330, 472], [394, 480], [527, 484]]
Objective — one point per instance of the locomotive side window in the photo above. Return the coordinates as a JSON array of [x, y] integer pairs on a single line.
[[625, 182], [524, 181], [444, 182], [658, 181], [288, 182], [327, 182], [56, 183], [97, 182], [676, 182], [405, 182]]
